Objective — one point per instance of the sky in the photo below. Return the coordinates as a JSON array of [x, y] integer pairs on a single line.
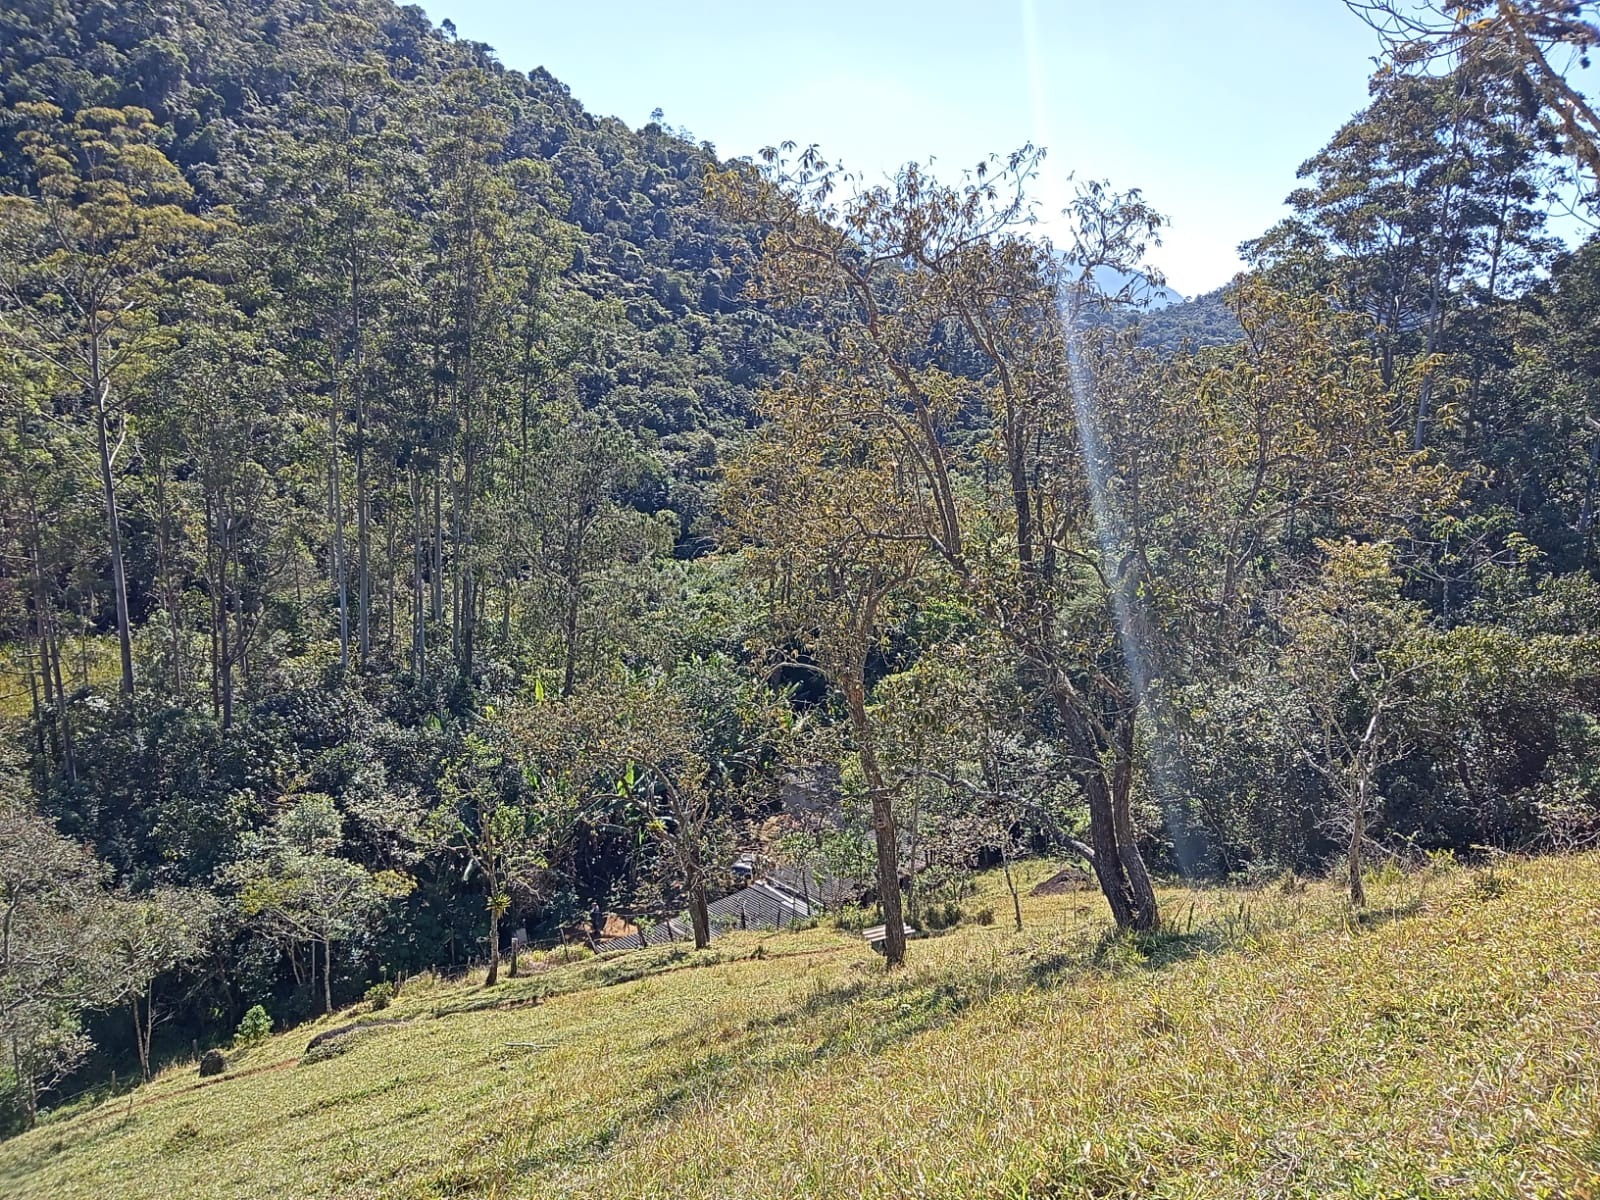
[[1208, 106]]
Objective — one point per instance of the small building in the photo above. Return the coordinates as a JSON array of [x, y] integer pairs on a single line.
[[761, 904]]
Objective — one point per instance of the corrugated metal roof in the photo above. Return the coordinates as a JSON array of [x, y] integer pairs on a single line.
[[764, 904]]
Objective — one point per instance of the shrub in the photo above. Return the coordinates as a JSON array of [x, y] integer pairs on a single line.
[[182, 1138], [380, 994], [569, 953], [254, 1029], [850, 919], [1391, 872], [1255, 876], [1486, 885], [327, 1050], [984, 916], [1442, 862]]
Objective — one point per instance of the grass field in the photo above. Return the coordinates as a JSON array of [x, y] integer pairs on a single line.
[[1268, 1045]]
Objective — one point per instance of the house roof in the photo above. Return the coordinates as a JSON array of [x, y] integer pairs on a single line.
[[764, 904]]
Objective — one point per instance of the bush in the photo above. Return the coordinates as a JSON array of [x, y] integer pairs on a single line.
[[1391, 872], [943, 916], [326, 1051], [1442, 862], [254, 1029], [379, 995], [570, 953], [850, 919], [984, 916]]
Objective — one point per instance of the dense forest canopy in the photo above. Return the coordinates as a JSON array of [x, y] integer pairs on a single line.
[[431, 515]]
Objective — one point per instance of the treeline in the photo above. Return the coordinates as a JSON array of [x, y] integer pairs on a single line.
[[351, 382], [428, 511]]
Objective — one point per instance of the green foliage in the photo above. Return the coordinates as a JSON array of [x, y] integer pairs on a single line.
[[431, 511], [568, 953], [380, 995], [254, 1028], [1194, 324]]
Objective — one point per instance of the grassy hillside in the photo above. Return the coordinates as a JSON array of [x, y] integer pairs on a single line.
[[1443, 1045]]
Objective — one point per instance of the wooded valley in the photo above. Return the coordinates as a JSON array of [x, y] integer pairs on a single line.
[[435, 520]]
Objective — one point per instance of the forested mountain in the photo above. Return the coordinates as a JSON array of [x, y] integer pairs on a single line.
[[1204, 321], [432, 516], [260, 105], [339, 297]]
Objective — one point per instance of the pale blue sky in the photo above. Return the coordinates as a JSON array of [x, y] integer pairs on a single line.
[[1208, 105]]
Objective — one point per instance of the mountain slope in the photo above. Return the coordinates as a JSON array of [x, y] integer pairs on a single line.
[[1204, 321], [232, 85], [1445, 1044]]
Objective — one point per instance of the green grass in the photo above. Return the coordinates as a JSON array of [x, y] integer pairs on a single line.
[[1445, 1044]]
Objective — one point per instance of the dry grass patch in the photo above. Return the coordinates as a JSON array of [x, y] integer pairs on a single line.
[[1268, 1045]]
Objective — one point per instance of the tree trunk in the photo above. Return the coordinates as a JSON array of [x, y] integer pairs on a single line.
[[336, 514], [327, 975], [1011, 883], [469, 623], [1117, 863], [1358, 892], [149, 1026], [569, 633], [25, 1086], [171, 590], [1361, 798], [1147, 916], [225, 647], [119, 579], [363, 500], [699, 914], [392, 585], [141, 1038], [436, 575], [49, 648], [69, 759], [466, 532], [1107, 861], [419, 624], [888, 847], [494, 947]]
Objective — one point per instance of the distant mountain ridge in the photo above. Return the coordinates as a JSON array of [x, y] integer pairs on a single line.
[[1141, 288], [1206, 320]]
